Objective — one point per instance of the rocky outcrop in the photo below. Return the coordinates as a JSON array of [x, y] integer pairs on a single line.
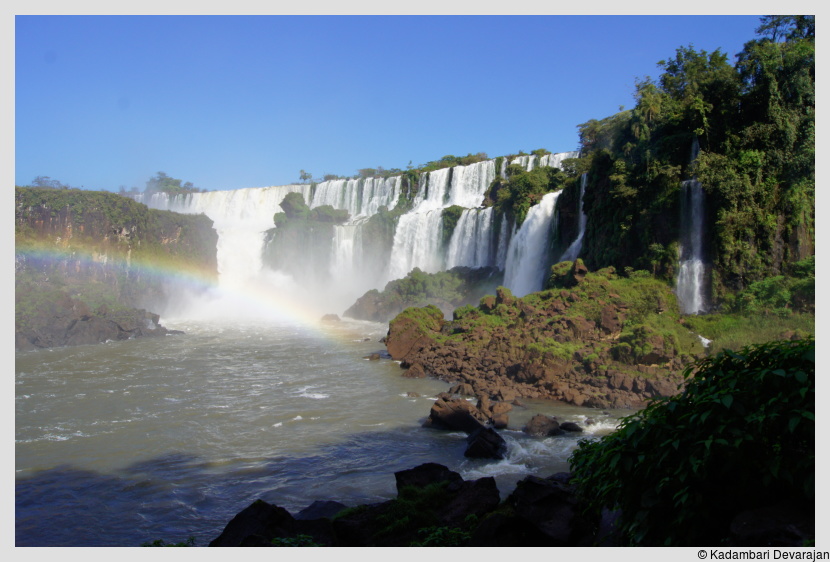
[[584, 344], [66, 321], [446, 290], [435, 506], [87, 265]]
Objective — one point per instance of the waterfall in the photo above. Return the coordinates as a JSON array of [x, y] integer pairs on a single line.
[[576, 246], [527, 260], [418, 236], [690, 275], [240, 217], [471, 242], [361, 197], [417, 243], [530, 161], [341, 262]]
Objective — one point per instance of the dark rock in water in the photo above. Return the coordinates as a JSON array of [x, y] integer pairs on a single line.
[[67, 321], [485, 443], [412, 395], [500, 421], [320, 510], [541, 425], [570, 426], [330, 318], [373, 357], [455, 414], [258, 523], [518, 403], [426, 474]]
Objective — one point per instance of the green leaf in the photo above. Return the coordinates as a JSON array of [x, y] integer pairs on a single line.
[[726, 400]]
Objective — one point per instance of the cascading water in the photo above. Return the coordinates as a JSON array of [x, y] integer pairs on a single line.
[[691, 272], [360, 197], [418, 236], [240, 217], [527, 255], [576, 246], [690, 275], [472, 241], [347, 269]]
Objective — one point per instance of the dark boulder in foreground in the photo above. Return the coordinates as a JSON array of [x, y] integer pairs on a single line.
[[435, 506]]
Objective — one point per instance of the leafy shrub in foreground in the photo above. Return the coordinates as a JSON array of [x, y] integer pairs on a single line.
[[740, 436]]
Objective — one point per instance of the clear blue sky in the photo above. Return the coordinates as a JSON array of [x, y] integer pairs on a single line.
[[247, 101]]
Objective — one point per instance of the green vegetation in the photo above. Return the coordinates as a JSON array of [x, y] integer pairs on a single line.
[[161, 182], [515, 194], [114, 228], [446, 289], [741, 435], [449, 218], [779, 307], [754, 124]]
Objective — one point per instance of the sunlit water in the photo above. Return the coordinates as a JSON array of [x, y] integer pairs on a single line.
[[127, 442]]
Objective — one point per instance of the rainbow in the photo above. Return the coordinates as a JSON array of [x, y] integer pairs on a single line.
[[257, 298]]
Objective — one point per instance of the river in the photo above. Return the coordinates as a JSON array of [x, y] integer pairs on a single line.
[[123, 443]]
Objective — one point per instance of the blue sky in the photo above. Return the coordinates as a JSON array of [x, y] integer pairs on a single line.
[[246, 101]]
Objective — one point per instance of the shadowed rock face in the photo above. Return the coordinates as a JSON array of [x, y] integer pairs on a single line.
[[67, 321], [79, 265], [568, 344]]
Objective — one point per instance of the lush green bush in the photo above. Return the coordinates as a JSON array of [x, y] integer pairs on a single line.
[[740, 436]]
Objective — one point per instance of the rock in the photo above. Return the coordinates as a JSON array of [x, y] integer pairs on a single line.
[[611, 320], [329, 318], [373, 357], [499, 421], [541, 425], [463, 389], [260, 521], [477, 498], [412, 395], [504, 296], [578, 271], [415, 371], [570, 426], [426, 474], [410, 331], [455, 414], [485, 443], [320, 510], [550, 506]]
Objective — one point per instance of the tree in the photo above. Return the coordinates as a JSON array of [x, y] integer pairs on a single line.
[[161, 182], [305, 177], [46, 181]]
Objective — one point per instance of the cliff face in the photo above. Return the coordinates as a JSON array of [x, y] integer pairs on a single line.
[[96, 258]]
